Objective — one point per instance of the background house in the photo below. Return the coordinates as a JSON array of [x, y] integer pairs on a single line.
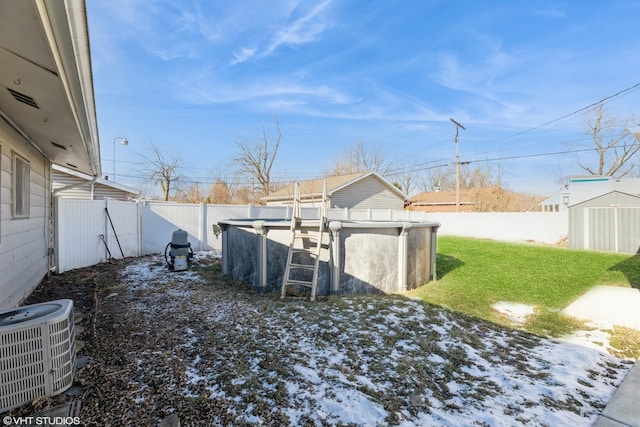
[[47, 115], [481, 199], [366, 190], [581, 188], [441, 201], [76, 185]]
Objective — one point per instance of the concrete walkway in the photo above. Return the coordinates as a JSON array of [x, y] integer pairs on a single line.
[[608, 304], [624, 409], [613, 305]]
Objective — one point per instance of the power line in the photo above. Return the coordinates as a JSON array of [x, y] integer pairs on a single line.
[[603, 100], [522, 156], [398, 171]]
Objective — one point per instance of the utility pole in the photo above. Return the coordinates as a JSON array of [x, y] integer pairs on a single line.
[[458, 125]]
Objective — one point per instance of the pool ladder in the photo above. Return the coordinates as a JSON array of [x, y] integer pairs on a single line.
[[308, 248]]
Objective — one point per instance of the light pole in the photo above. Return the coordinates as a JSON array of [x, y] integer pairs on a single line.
[[635, 131], [124, 142], [458, 125]]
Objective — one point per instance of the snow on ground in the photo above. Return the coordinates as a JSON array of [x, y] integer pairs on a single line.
[[363, 359], [516, 312]]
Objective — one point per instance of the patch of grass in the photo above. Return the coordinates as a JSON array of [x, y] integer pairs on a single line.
[[626, 341], [552, 323], [474, 274]]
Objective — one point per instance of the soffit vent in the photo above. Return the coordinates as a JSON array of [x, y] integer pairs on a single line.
[[60, 146], [25, 99]]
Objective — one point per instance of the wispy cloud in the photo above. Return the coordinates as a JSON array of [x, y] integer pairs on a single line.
[[244, 55], [205, 89], [302, 30]]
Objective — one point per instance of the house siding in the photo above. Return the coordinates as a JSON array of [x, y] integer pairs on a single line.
[[62, 180], [95, 191], [23, 242], [101, 192], [367, 193]]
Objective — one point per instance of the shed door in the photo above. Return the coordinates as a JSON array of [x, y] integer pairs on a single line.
[[629, 230], [614, 229], [602, 229]]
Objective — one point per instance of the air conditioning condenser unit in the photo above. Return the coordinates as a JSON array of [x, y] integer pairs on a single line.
[[37, 352]]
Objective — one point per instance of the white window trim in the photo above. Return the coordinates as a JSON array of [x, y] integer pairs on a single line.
[[24, 191]]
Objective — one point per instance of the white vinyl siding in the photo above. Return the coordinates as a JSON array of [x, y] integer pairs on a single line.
[[101, 192], [95, 191], [62, 180], [23, 241], [367, 193]]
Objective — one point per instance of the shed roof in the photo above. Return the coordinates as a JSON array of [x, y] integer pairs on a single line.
[[611, 198], [313, 188], [120, 187]]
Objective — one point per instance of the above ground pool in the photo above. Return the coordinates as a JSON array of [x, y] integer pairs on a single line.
[[357, 257]]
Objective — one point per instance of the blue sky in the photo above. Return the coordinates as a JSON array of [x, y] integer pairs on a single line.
[[193, 77]]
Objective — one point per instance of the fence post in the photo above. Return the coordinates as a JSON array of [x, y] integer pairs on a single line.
[[106, 228], [139, 219], [403, 256], [57, 233], [203, 227]]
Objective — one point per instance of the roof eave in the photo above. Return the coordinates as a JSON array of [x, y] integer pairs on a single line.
[[75, 73]]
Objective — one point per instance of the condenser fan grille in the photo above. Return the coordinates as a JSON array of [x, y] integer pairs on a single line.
[[37, 354], [21, 314]]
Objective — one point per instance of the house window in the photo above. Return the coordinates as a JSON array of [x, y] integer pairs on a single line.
[[21, 187]]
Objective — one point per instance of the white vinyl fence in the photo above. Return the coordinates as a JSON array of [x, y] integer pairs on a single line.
[[543, 227], [88, 232]]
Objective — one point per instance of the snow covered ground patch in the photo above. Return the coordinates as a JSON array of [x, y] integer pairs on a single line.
[[516, 313], [209, 348]]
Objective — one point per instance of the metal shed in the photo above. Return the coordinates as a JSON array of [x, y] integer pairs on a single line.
[[610, 222]]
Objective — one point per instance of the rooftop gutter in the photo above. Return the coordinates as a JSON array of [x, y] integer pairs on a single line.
[[76, 15]]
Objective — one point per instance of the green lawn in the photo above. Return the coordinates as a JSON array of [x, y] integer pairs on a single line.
[[474, 274]]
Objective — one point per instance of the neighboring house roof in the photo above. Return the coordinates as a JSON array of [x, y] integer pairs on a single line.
[[129, 191], [441, 201], [312, 189], [440, 198], [46, 86], [583, 188]]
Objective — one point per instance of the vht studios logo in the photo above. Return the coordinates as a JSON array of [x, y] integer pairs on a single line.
[[40, 421]]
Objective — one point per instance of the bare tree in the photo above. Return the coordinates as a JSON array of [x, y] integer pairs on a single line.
[[497, 199], [444, 178], [481, 177], [440, 179], [162, 171], [191, 194], [358, 159], [614, 148], [405, 182], [256, 160], [220, 193]]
